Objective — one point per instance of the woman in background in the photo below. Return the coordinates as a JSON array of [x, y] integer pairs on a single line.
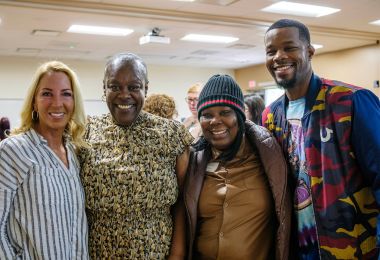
[[191, 122], [236, 195], [254, 107], [5, 127], [42, 214], [161, 105]]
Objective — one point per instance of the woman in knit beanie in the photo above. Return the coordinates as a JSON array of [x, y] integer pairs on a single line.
[[236, 196]]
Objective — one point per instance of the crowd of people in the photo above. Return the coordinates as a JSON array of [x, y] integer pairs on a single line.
[[234, 180]]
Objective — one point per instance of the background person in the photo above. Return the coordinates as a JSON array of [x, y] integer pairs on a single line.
[[42, 213], [5, 127], [254, 106], [236, 195], [160, 105], [134, 171], [329, 133], [191, 122]]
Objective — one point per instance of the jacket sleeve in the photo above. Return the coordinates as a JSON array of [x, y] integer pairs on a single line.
[[365, 139], [8, 187]]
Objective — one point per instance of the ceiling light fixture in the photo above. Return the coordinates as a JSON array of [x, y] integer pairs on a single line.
[[28, 50], [209, 38], [154, 37], [377, 22], [99, 30], [46, 33], [298, 9]]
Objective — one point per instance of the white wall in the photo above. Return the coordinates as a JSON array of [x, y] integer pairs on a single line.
[[17, 72]]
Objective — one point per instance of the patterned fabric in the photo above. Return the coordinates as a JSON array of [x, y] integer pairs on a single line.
[[303, 203], [341, 172], [130, 185], [41, 201]]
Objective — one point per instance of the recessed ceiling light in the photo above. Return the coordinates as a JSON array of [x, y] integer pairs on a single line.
[[377, 22], [317, 46], [291, 8], [28, 50], [209, 38], [241, 46], [99, 30], [45, 33]]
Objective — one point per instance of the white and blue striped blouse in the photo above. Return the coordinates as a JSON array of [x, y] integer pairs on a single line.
[[41, 201]]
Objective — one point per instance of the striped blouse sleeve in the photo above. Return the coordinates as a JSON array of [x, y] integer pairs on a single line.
[[12, 170]]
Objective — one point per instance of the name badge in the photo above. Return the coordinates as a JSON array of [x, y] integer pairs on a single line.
[[212, 166]]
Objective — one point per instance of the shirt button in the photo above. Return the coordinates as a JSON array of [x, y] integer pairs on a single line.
[[221, 234], [228, 181], [226, 205]]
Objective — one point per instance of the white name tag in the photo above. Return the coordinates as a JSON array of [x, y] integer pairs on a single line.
[[212, 166]]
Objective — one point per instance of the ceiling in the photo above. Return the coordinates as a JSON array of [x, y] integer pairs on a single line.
[[242, 18]]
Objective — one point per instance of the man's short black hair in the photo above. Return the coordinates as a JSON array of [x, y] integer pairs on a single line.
[[302, 29]]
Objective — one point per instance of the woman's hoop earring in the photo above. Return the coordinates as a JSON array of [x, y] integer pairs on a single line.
[[104, 97], [35, 115]]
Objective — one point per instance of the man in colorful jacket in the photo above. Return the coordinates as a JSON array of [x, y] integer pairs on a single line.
[[329, 133]]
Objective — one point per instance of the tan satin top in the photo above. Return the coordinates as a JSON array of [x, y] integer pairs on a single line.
[[236, 211]]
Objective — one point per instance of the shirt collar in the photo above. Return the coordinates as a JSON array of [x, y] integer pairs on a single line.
[[36, 137], [39, 139], [139, 119], [312, 92], [240, 154], [311, 95]]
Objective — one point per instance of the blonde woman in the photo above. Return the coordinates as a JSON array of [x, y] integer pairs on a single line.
[[41, 198]]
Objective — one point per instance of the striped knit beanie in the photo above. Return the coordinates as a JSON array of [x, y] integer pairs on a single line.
[[221, 90]]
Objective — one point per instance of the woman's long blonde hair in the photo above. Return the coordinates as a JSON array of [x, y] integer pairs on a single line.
[[76, 126]]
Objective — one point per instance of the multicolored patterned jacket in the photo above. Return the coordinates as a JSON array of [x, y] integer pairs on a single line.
[[342, 142]]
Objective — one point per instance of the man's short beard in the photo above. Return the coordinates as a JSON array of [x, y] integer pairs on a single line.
[[287, 84]]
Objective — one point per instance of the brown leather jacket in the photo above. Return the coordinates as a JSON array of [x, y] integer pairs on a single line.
[[276, 170]]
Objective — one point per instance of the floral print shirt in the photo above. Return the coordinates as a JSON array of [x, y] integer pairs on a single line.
[[130, 184]]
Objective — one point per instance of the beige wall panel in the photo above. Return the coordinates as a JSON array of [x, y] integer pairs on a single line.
[[16, 74]]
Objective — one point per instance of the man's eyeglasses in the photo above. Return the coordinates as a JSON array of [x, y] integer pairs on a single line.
[[189, 100]]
